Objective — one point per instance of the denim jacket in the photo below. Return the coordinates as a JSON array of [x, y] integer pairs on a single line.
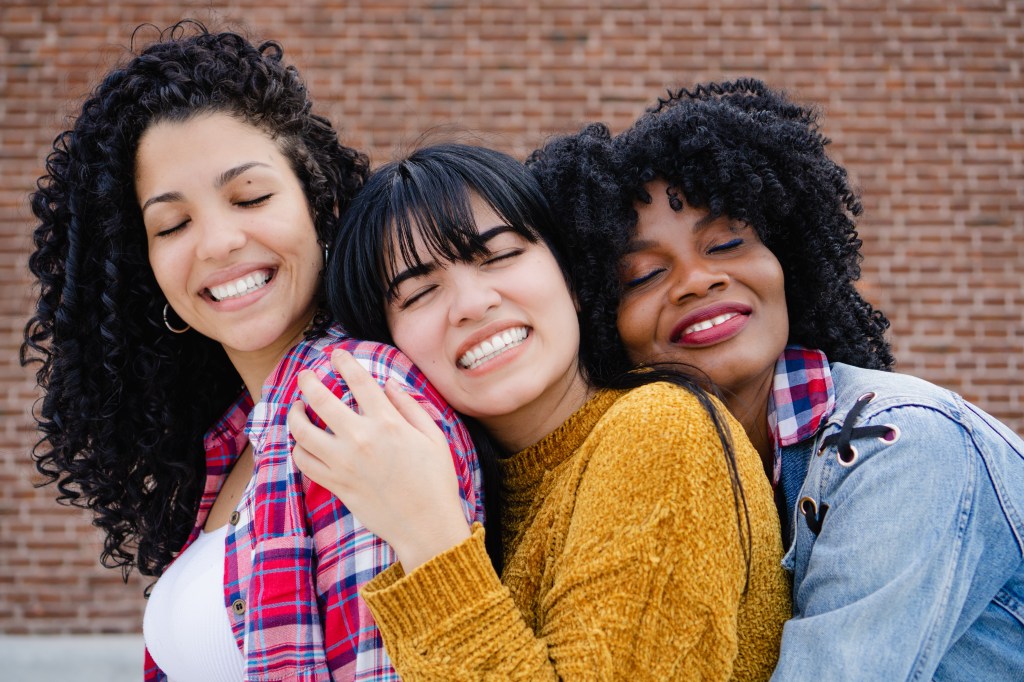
[[906, 513]]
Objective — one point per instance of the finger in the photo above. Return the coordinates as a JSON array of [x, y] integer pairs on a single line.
[[366, 391], [317, 472], [413, 412], [311, 467], [317, 443], [330, 408]]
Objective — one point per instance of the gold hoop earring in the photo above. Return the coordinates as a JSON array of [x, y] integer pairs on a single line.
[[167, 322]]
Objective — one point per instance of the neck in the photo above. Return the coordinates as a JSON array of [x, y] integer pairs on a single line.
[[255, 366], [532, 422], [750, 407]]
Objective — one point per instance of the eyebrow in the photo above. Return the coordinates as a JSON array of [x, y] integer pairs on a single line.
[[426, 268], [223, 179]]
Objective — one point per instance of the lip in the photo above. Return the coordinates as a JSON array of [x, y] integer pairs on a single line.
[[716, 334], [484, 334]]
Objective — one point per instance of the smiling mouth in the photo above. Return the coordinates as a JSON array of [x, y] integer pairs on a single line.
[[704, 325], [240, 287], [493, 347]]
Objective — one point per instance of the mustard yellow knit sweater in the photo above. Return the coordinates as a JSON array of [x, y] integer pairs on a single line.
[[623, 560]]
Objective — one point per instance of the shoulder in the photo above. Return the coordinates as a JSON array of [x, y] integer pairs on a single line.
[[661, 410], [664, 428], [897, 425], [381, 360], [926, 417], [889, 390]]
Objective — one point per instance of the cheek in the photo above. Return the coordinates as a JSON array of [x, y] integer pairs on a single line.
[[165, 269], [636, 324], [418, 339], [774, 289]]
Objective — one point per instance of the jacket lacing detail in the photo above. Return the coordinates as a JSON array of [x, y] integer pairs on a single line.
[[846, 453]]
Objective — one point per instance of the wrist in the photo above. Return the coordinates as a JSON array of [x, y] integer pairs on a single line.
[[430, 542]]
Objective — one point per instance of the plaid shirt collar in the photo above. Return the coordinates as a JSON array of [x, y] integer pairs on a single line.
[[802, 398]]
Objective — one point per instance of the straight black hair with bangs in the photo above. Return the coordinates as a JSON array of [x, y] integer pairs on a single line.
[[428, 195]]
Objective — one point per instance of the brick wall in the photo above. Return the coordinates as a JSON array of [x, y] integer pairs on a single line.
[[923, 100]]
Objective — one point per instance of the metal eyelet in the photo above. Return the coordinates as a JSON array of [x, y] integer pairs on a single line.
[[892, 436], [869, 396], [814, 515], [843, 461]]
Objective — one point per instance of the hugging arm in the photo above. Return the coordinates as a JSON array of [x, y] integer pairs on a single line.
[[646, 583], [389, 463]]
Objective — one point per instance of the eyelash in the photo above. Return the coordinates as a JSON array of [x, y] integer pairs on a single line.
[[251, 203], [731, 244], [255, 202], [171, 230], [415, 297], [643, 279], [504, 255]]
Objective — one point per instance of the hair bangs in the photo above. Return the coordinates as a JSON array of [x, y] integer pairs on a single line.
[[431, 217]]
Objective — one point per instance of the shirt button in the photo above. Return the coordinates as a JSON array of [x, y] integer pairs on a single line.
[[238, 606], [234, 518]]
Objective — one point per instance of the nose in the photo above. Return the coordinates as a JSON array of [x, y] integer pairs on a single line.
[[472, 296], [217, 236], [697, 277]]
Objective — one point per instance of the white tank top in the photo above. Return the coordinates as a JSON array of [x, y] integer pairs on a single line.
[[186, 625]]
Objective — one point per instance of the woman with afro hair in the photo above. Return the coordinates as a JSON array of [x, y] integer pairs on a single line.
[[721, 236], [180, 246]]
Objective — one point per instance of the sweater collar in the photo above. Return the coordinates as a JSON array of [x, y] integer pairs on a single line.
[[526, 469]]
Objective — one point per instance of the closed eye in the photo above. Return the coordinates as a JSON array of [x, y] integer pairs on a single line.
[[415, 296], [502, 255], [643, 279], [251, 203], [731, 244], [172, 230]]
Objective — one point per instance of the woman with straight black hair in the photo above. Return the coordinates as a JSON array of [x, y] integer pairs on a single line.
[[639, 535]]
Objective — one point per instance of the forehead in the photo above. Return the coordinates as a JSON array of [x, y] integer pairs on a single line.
[[660, 217], [204, 140]]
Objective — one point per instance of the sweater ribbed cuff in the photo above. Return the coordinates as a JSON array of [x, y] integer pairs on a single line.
[[460, 577]]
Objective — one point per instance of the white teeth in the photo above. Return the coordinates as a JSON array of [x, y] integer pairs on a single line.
[[241, 287], [492, 347], [708, 324]]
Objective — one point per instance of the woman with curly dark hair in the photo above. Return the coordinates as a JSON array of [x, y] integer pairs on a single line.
[[180, 248], [641, 541], [729, 237]]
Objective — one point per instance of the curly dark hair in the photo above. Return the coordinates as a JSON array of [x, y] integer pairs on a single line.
[[738, 149], [126, 403]]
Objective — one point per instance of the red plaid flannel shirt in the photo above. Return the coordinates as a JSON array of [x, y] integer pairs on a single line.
[[295, 558]]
